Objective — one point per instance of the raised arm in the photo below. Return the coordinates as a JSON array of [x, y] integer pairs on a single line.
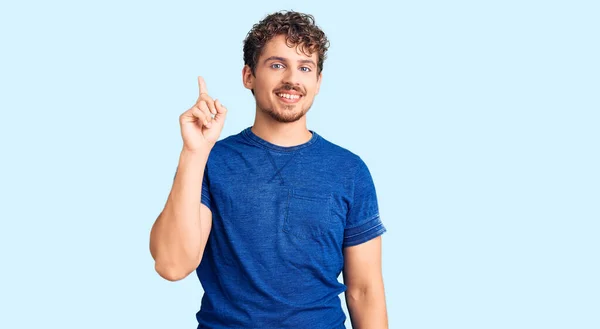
[[180, 232]]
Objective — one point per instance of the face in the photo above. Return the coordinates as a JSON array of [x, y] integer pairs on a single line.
[[285, 82]]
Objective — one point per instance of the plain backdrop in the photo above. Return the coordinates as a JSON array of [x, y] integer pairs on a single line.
[[479, 121]]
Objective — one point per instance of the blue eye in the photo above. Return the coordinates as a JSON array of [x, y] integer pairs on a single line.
[[307, 69], [272, 65]]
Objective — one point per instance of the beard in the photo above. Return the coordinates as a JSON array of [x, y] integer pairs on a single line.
[[286, 114]]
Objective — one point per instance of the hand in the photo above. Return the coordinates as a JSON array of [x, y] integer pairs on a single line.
[[198, 128]]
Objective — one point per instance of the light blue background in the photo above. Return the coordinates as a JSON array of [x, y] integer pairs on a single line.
[[478, 120]]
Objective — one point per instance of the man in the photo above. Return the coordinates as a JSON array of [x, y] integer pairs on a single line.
[[283, 211]]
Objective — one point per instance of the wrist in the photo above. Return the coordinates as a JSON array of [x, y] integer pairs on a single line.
[[201, 153]]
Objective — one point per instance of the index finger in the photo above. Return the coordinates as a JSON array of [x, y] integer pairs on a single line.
[[202, 86]]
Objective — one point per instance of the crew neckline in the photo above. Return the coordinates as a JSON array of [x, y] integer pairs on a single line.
[[265, 144]]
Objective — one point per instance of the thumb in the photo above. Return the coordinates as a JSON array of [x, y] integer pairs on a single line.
[[221, 112]]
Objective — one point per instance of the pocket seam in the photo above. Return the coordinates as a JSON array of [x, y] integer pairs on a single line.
[[310, 196], [293, 195]]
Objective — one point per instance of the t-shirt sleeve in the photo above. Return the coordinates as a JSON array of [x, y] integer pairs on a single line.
[[362, 221], [205, 190], [205, 198]]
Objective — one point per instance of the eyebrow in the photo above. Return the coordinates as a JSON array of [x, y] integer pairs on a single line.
[[282, 59]]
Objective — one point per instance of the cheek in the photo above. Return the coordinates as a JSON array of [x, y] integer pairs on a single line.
[[265, 86], [311, 89]]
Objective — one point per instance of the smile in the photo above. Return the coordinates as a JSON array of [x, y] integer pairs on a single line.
[[289, 98]]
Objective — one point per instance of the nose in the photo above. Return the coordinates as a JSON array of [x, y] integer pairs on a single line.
[[292, 77]]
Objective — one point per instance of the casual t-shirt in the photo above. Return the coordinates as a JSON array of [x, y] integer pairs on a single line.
[[281, 217]]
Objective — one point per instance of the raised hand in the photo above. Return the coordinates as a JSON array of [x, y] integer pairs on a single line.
[[199, 129]]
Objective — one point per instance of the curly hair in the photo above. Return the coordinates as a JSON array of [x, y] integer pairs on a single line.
[[299, 28]]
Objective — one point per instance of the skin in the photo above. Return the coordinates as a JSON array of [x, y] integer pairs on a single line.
[[179, 234], [280, 66], [365, 294], [178, 238]]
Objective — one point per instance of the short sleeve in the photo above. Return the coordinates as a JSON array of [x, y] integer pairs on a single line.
[[205, 190], [205, 197], [362, 221]]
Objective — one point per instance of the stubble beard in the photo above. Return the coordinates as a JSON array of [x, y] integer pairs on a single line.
[[287, 114]]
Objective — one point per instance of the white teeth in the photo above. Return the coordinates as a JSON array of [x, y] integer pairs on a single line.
[[288, 96]]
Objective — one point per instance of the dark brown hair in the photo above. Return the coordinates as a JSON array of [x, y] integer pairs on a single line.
[[299, 28]]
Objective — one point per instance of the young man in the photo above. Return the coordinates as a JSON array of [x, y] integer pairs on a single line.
[[283, 211]]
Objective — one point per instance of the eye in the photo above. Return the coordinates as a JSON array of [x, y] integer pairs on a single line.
[[305, 69], [275, 65]]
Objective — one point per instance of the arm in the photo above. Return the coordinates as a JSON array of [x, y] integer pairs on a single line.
[[180, 232], [365, 295]]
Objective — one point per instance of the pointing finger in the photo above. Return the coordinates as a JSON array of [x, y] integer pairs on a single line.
[[202, 86]]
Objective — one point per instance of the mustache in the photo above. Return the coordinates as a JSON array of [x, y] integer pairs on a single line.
[[288, 87]]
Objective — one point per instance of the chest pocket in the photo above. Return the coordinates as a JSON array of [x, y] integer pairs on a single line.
[[308, 213]]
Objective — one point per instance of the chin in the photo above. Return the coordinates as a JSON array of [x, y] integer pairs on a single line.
[[283, 115]]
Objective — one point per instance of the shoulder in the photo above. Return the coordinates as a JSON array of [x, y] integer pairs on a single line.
[[224, 148], [342, 155]]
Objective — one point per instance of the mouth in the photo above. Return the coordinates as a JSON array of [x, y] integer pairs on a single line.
[[289, 98]]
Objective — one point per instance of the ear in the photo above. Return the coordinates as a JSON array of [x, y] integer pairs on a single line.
[[247, 77], [319, 78]]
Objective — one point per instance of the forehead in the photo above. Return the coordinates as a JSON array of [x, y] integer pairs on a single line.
[[278, 46]]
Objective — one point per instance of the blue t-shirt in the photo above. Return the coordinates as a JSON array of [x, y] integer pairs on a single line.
[[281, 218]]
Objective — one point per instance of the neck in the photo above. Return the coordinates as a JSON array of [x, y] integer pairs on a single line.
[[282, 134]]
